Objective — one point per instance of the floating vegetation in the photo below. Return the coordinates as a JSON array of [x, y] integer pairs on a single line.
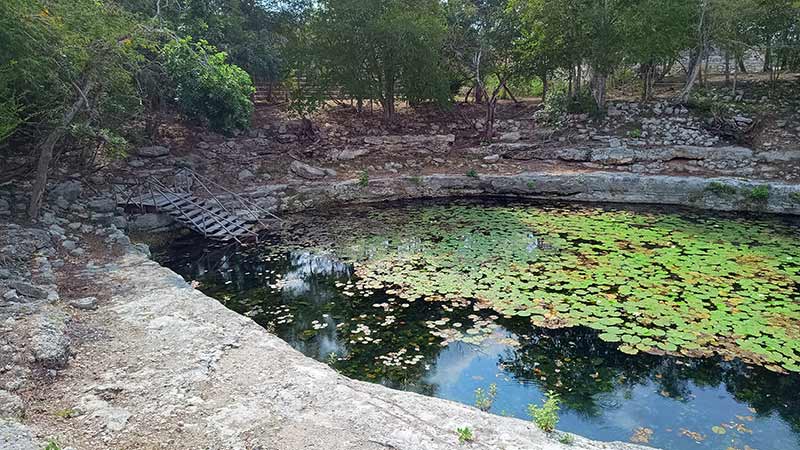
[[653, 283], [606, 309]]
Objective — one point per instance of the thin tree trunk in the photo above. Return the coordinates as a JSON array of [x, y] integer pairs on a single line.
[[578, 77], [545, 86], [46, 150], [727, 68], [599, 90], [510, 94], [697, 56], [768, 58]]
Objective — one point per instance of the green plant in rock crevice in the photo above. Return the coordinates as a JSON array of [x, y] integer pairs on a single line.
[[566, 439], [363, 178], [721, 189], [465, 435], [472, 173], [758, 194]]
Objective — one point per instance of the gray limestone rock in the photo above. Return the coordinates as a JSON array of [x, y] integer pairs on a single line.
[[86, 303], [152, 151]]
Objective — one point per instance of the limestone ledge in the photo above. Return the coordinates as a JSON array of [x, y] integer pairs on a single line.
[[719, 194]]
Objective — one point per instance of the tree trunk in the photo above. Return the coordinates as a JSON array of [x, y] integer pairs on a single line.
[[768, 58], [545, 86], [578, 77], [478, 94], [727, 68], [740, 63], [599, 90], [570, 90], [510, 94], [46, 150], [697, 55]]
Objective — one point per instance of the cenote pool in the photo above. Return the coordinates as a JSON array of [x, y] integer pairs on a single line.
[[668, 328]]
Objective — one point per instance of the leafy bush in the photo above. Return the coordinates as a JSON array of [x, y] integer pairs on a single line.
[[546, 416], [207, 87], [558, 103], [483, 400], [566, 439]]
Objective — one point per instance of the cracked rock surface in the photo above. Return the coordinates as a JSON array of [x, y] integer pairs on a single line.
[[176, 368]]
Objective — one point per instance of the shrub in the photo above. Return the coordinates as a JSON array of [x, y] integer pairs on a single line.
[[558, 103], [472, 173], [758, 194], [207, 87], [546, 416], [721, 189], [483, 400]]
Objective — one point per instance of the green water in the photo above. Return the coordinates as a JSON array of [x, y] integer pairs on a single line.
[[671, 327]]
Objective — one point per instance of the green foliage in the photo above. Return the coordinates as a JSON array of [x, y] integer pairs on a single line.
[[380, 50], [472, 173], [52, 445], [546, 416], [50, 52], [558, 103], [465, 435], [635, 133], [566, 438], [484, 400], [207, 87], [758, 194], [795, 197], [363, 178], [721, 189]]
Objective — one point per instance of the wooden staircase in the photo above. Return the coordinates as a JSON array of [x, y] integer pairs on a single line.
[[203, 216], [235, 219]]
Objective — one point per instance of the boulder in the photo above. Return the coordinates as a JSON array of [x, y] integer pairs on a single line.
[[150, 222], [491, 159], [308, 172], [11, 406], [28, 290], [103, 205], [153, 151], [513, 136], [245, 174], [68, 190], [86, 304], [50, 344]]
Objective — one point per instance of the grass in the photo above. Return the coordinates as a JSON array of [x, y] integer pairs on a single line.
[[465, 435], [363, 178]]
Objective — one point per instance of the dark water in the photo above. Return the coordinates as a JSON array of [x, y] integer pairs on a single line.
[[313, 303]]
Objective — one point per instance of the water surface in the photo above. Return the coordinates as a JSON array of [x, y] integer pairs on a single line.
[[343, 310]]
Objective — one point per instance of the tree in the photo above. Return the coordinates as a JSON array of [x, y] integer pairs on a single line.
[[655, 33], [66, 66], [207, 87], [381, 49]]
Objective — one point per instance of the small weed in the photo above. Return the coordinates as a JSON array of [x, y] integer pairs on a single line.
[[483, 400], [465, 435], [721, 189], [363, 179], [758, 194], [566, 439], [531, 185], [332, 358], [416, 180], [67, 413], [546, 416], [635, 133], [795, 197], [472, 173], [52, 445]]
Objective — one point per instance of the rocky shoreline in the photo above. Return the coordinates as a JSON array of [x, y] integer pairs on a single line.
[[117, 352]]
